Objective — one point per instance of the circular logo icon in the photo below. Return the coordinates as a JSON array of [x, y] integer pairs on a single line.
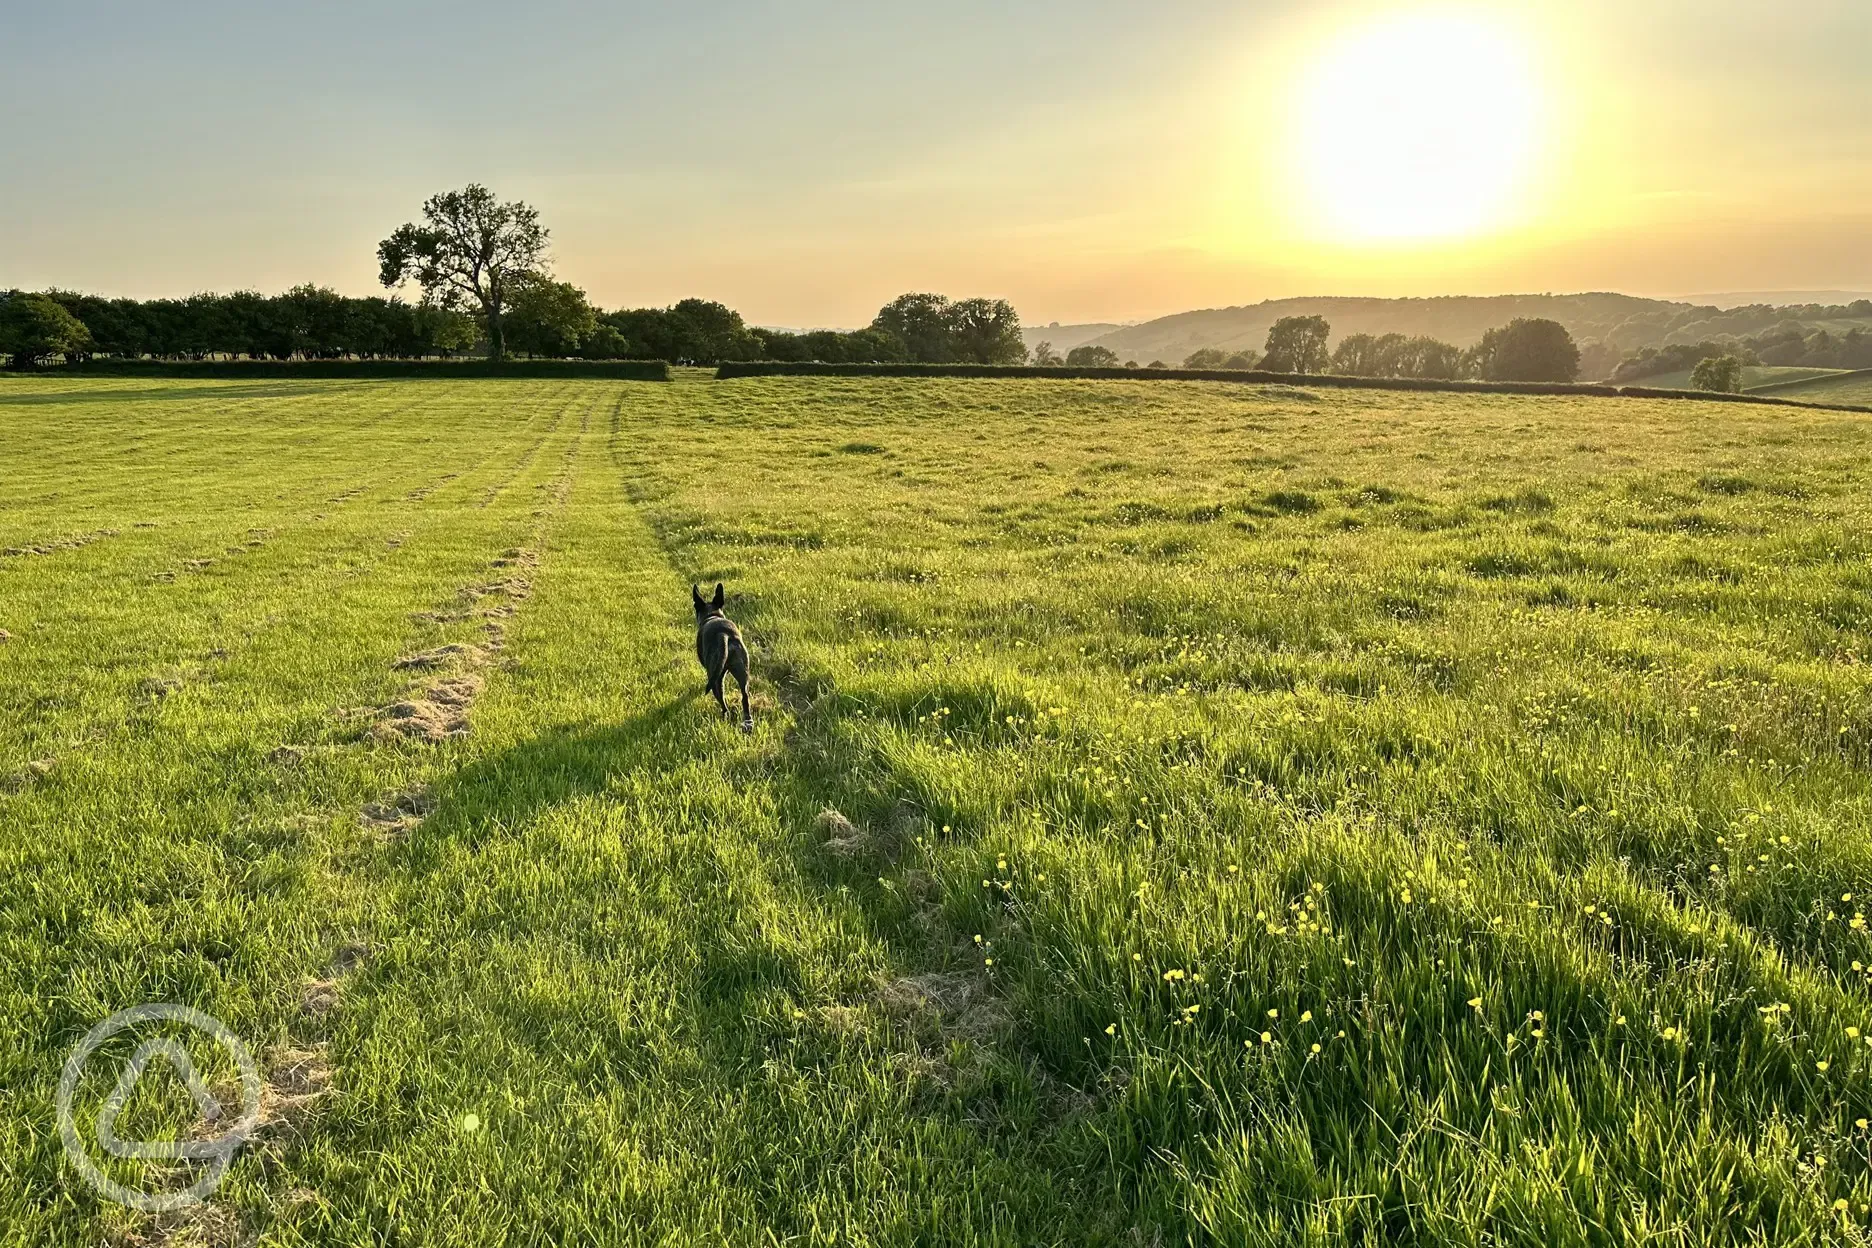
[[213, 1155]]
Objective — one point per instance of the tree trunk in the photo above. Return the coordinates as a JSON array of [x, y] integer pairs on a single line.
[[497, 341]]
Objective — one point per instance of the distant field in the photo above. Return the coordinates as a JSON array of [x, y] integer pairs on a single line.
[[1179, 812], [1752, 376], [1855, 389]]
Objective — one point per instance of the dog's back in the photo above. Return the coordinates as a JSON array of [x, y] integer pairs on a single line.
[[721, 651], [716, 637]]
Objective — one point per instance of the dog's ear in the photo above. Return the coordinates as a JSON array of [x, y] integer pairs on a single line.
[[695, 593], [721, 595]]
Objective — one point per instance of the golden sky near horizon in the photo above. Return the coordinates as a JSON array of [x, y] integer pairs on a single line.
[[1088, 160]]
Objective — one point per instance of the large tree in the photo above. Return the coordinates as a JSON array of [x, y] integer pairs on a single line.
[[549, 318], [33, 327], [709, 332], [470, 250], [922, 323], [1092, 355], [1429, 358], [1526, 350], [1297, 344], [1720, 373], [1364, 355], [986, 331]]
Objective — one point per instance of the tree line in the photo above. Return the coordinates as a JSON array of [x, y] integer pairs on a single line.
[[308, 322], [1526, 349], [544, 319], [554, 319], [1789, 344], [486, 286]]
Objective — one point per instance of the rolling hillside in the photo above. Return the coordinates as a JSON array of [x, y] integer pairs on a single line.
[[1459, 320], [1627, 322], [1065, 337], [1854, 387], [1754, 377]]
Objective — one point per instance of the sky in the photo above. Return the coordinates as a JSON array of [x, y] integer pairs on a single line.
[[805, 161]]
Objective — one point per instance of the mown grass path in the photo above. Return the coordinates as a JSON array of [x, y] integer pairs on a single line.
[[1176, 812]]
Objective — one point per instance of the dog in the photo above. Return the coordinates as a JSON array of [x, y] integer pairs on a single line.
[[719, 646]]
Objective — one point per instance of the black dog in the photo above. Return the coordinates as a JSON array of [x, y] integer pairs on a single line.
[[718, 644]]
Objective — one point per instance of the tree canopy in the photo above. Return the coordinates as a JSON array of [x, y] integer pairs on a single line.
[[986, 331], [1526, 350], [1395, 355], [970, 331], [549, 318], [470, 250], [1719, 373], [921, 323], [1222, 358], [33, 327], [1297, 344]]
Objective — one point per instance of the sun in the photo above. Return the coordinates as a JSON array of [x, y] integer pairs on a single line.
[[1420, 126]]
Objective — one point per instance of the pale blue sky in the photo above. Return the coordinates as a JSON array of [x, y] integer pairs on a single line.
[[806, 161]]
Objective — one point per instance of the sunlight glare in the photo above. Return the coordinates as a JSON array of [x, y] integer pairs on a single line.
[[1422, 126]]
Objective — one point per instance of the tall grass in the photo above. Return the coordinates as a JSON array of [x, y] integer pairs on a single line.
[[1198, 812]]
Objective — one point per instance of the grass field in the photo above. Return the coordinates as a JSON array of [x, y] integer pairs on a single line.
[[1854, 388], [1177, 812], [1753, 376]]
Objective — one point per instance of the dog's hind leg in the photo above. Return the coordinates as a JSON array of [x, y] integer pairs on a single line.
[[718, 672], [747, 712], [738, 664]]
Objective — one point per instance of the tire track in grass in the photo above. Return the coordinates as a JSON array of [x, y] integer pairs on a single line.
[[305, 1079], [603, 993], [388, 821]]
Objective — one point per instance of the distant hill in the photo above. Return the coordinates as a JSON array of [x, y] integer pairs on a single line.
[[1625, 322], [1853, 388], [1777, 298], [1065, 337], [1754, 377]]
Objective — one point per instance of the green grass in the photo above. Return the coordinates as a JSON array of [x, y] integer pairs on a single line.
[[1753, 376], [1512, 751], [1854, 388]]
